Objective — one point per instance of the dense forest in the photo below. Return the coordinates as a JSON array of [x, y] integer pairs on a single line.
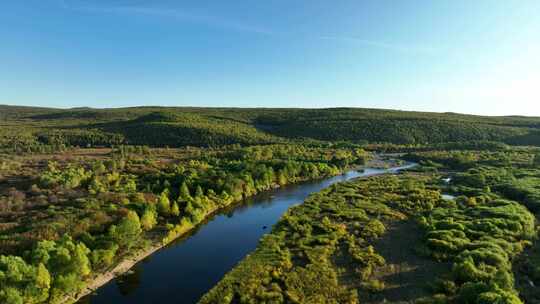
[[82, 190], [31, 128]]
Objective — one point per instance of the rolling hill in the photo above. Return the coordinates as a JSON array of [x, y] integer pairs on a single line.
[[190, 126]]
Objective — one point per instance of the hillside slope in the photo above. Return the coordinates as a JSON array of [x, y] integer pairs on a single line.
[[167, 126]]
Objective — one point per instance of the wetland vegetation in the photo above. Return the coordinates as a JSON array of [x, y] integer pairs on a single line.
[[85, 193], [344, 244]]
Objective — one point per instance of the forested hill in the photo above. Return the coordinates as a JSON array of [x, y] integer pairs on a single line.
[[167, 126]]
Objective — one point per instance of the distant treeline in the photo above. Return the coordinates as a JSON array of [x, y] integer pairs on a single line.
[[176, 127]]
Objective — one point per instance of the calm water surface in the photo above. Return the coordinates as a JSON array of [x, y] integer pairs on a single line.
[[183, 271]]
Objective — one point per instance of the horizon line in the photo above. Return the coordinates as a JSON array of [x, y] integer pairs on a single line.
[[271, 108]]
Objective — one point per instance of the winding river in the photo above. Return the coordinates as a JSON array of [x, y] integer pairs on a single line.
[[184, 270]]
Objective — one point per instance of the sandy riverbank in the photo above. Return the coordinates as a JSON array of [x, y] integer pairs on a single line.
[[124, 266]]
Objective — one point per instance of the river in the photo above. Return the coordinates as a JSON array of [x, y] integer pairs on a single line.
[[187, 268]]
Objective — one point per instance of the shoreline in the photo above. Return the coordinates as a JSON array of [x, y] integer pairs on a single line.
[[119, 269], [130, 260], [102, 278]]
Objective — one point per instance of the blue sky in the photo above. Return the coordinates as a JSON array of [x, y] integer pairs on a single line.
[[477, 56]]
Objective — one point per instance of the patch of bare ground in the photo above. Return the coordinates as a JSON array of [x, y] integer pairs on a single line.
[[406, 275]]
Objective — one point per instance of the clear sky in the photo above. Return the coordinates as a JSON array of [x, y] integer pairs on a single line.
[[480, 56]]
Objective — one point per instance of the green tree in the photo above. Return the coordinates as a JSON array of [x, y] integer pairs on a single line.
[[10, 295], [21, 282], [184, 192], [164, 204], [63, 256], [149, 218], [175, 210], [103, 257], [43, 278], [281, 178], [199, 191], [96, 186], [127, 232]]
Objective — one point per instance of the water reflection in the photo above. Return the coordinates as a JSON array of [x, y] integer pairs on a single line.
[[130, 281]]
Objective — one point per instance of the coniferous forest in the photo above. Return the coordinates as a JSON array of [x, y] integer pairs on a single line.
[[82, 191]]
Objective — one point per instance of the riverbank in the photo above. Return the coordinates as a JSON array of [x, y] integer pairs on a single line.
[[121, 268], [131, 260], [158, 241], [385, 239]]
